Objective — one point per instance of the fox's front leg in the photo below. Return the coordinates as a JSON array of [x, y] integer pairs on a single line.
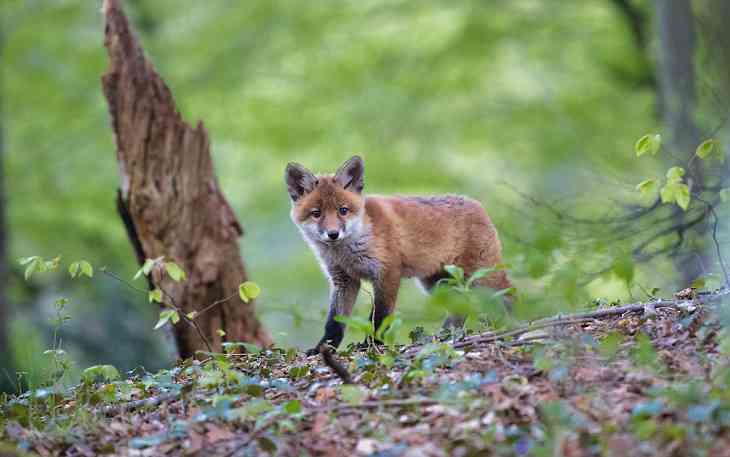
[[343, 294], [386, 293]]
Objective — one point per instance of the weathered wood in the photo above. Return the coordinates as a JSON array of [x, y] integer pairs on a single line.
[[169, 196]]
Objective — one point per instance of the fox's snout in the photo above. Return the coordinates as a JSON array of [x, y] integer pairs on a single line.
[[331, 229]]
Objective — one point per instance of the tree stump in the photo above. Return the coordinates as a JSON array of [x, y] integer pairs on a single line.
[[169, 198]]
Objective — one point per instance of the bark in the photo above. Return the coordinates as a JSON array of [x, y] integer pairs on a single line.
[[678, 101], [169, 198]]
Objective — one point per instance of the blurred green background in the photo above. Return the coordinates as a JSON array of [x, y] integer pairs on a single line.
[[485, 98]]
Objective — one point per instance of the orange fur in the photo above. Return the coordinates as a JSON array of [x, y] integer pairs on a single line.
[[383, 239]]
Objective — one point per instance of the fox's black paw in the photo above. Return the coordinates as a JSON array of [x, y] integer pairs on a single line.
[[311, 352], [367, 344]]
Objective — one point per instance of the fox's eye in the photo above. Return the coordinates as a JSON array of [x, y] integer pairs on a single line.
[[316, 213], [344, 211]]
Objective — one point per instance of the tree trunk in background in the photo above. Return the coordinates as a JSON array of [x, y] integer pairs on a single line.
[[716, 38], [169, 197], [7, 372], [676, 77]]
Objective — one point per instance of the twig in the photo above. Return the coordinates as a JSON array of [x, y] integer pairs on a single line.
[[575, 318], [186, 318], [711, 208], [172, 303], [520, 331], [217, 302], [126, 283], [334, 365], [137, 404]]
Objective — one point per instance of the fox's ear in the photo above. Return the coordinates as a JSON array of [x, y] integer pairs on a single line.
[[351, 174], [299, 180]]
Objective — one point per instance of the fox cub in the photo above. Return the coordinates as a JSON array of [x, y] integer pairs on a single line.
[[383, 239]]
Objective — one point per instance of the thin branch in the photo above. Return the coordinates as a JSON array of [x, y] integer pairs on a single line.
[[138, 404], [217, 302], [571, 319], [172, 303], [126, 283], [187, 319], [716, 222]]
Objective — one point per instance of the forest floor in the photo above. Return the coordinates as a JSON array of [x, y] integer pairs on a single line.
[[652, 380]]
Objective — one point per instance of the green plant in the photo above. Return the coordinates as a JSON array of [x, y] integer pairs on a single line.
[[170, 312], [678, 187], [458, 296]]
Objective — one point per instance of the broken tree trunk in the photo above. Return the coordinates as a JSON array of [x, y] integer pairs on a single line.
[[169, 197]]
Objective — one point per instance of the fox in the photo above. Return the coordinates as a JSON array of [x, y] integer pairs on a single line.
[[383, 239]]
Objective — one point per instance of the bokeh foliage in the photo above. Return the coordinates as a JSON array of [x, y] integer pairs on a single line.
[[473, 97]]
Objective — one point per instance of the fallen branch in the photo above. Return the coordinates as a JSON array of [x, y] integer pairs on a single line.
[[576, 318], [138, 404], [334, 365]]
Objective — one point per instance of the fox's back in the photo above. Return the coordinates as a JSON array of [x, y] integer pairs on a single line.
[[430, 232]]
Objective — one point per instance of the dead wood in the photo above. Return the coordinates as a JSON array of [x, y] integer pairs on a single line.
[[169, 198]]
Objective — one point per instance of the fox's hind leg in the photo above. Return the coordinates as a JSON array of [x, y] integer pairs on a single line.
[[497, 281], [428, 283]]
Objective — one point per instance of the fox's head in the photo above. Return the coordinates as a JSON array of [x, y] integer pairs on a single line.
[[327, 208]]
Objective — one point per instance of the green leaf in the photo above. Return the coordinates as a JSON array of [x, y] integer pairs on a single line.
[[682, 195], [706, 148], [248, 291], [32, 267], [154, 296], [251, 348], [87, 269], [610, 344], [51, 265], [643, 351], [221, 332], [725, 194], [648, 144], [353, 395], [106, 372], [676, 192], [253, 409], [384, 325], [293, 407], [27, 260], [675, 174], [479, 274], [145, 270], [357, 323], [176, 273], [165, 316], [647, 186], [456, 272], [192, 315], [73, 269], [623, 268], [298, 372]]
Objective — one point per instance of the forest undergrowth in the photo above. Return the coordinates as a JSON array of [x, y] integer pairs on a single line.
[[644, 379]]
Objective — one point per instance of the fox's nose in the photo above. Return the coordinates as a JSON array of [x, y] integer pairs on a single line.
[[333, 234]]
